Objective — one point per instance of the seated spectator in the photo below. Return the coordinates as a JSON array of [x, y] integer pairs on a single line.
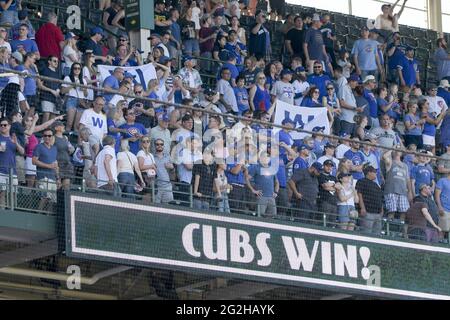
[[23, 44], [13, 32], [71, 53], [76, 102], [423, 217], [50, 38], [311, 100]]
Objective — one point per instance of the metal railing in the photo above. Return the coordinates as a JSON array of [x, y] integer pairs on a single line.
[[31, 199]]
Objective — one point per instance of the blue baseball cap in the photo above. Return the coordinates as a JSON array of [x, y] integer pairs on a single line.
[[96, 30], [354, 77], [187, 58], [163, 117], [317, 165], [128, 75], [300, 69], [344, 134], [164, 59], [70, 35], [287, 121], [317, 129], [301, 146], [286, 71]]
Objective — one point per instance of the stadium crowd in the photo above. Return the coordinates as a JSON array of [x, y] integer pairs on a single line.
[[373, 93]]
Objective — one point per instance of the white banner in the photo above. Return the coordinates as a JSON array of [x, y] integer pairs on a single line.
[[304, 118], [142, 74]]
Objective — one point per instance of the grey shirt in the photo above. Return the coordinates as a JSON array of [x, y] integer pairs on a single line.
[[160, 133], [162, 175], [306, 184], [283, 91], [385, 137], [397, 179], [345, 93]]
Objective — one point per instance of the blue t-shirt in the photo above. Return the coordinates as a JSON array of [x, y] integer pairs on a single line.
[[421, 174], [30, 86], [112, 82], [116, 135], [357, 159], [373, 106], [7, 158], [28, 45], [4, 69], [130, 62], [12, 7], [412, 119], [136, 128], [309, 103], [233, 49], [285, 137], [366, 50], [409, 70], [428, 128], [315, 43], [263, 179], [242, 99], [47, 156], [233, 69], [321, 82], [395, 59], [299, 164], [444, 185], [233, 178], [444, 94]]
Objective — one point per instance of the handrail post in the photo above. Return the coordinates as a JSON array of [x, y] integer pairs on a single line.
[[324, 219], [191, 197], [83, 186], [153, 190], [11, 186]]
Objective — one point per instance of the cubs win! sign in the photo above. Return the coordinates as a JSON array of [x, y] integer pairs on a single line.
[[250, 248], [304, 118]]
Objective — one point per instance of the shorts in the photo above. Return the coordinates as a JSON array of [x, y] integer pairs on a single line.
[[32, 101], [191, 46], [50, 186], [72, 103], [344, 213], [429, 140], [49, 107], [4, 181], [30, 167], [20, 168], [66, 170], [396, 203]]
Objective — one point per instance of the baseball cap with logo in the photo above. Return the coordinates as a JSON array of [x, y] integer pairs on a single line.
[[316, 17], [369, 78], [444, 84]]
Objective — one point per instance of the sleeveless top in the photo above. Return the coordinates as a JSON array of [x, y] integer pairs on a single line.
[[350, 202], [261, 99], [397, 179]]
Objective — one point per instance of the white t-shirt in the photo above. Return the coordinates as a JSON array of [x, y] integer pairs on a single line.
[[115, 100], [225, 88], [148, 158], [68, 50], [77, 92], [102, 176], [299, 88], [95, 122], [87, 74], [341, 150], [196, 17], [126, 162]]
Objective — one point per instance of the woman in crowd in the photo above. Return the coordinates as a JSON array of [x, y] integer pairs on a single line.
[[189, 35], [429, 127], [114, 121], [271, 75], [127, 165], [345, 166], [90, 73], [331, 102], [347, 198], [413, 126], [388, 20], [76, 101], [147, 165], [30, 83], [312, 98], [71, 53], [259, 96], [12, 99], [65, 150], [361, 127], [240, 31]]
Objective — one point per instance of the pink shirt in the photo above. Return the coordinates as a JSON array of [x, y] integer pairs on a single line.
[[31, 145]]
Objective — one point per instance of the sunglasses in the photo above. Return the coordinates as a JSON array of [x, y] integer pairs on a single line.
[[261, 78], [145, 141], [317, 67], [316, 91], [137, 92], [330, 88], [4, 125], [57, 61], [123, 39], [47, 135], [159, 144], [131, 114], [2, 30], [76, 68]]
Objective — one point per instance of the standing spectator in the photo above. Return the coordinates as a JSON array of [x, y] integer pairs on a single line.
[[5, 66], [365, 57], [312, 98], [429, 127], [328, 188], [414, 126], [163, 163], [23, 44], [241, 95], [93, 44], [442, 197], [301, 162], [345, 63], [90, 73], [65, 150], [357, 159], [422, 173], [8, 149], [397, 187], [203, 180], [443, 91], [222, 188], [207, 38], [45, 159], [266, 184], [95, 120], [9, 12], [162, 132], [423, 218], [259, 41], [313, 46], [106, 167], [147, 165], [347, 101], [395, 52], [319, 78], [189, 35], [283, 90], [408, 69], [30, 88], [388, 20], [370, 202], [134, 131], [443, 164], [442, 58], [329, 37], [13, 33], [250, 71], [301, 86], [295, 38], [76, 102], [438, 104], [227, 100], [49, 37], [12, 98], [370, 84], [304, 185], [190, 76], [84, 156], [347, 198], [108, 17], [162, 21], [127, 165], [234, 25], [71, 53], [175, 35], [49, 90], [386, 137]]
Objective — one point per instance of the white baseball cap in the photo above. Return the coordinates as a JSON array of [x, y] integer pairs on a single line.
[[444, 84]]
